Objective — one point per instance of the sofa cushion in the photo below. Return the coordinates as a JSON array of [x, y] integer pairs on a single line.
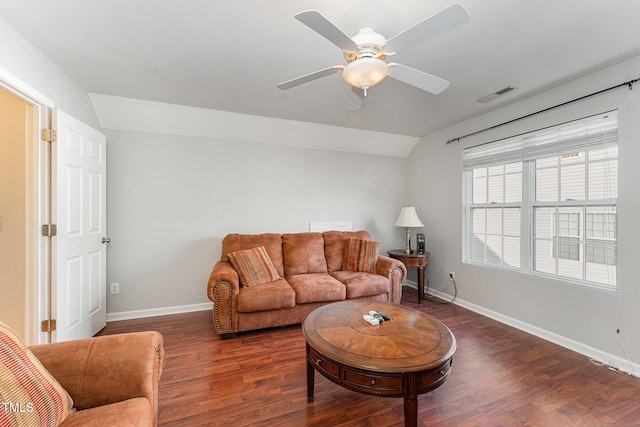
[[24, 382], [360, 255], [316, 287], [131, 412], [268, 296], [334, 246], [303, 253], [360, 284], [253, 266], [272, 243]]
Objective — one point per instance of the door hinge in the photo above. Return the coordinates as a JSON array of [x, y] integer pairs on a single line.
[[49, 230], [48, 325], [49, 135]]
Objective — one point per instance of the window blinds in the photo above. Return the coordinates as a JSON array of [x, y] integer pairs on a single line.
[[593, 132]]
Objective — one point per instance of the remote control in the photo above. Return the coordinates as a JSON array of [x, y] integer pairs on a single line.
[[382, 315], [369, 318]]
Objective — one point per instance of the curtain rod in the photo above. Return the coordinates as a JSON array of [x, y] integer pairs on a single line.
[[629, 84]]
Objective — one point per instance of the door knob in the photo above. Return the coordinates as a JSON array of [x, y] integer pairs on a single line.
[[106, 240]]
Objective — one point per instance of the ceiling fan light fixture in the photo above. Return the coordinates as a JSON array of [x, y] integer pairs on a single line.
[[365, 73]]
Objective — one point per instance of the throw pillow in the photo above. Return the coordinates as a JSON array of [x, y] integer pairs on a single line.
[[360, 255], [29, 394], [254, 266]]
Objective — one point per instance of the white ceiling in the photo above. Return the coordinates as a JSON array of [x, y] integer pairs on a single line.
[[229, 55]]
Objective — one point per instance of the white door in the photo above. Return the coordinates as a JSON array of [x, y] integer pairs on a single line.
[[79, 211]]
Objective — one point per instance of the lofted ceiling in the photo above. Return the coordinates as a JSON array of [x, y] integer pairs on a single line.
[[229, 55]]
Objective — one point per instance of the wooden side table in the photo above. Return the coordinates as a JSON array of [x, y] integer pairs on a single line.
[[414, 259]]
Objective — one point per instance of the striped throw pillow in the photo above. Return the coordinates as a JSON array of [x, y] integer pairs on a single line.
[[360, 255], [254, 266], [30, 395]]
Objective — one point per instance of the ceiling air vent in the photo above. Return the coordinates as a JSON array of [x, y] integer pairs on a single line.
[[495, 94]]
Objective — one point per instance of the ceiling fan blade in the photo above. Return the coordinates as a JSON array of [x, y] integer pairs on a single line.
[[354, 99], [418, 78], [438, 24], [310, 77], [320, 24]]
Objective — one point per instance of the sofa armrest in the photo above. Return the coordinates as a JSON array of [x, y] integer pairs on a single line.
[[223, 289], [107, 369], [396, 271]]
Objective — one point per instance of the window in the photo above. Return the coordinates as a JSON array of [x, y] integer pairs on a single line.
[[545, 202]]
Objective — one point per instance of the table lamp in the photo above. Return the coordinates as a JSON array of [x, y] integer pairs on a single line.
[[408, 218]]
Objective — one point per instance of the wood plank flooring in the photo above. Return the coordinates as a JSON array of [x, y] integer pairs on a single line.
[[501, 377]]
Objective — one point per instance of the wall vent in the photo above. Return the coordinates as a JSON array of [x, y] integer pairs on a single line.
[[319, 227]]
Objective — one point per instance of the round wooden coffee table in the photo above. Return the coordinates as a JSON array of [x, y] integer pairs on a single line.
[[404, 357]]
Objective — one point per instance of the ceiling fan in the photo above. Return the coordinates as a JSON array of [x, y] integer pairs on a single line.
[[366, 51]]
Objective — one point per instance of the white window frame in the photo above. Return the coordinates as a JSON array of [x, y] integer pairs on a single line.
[[601, 131]]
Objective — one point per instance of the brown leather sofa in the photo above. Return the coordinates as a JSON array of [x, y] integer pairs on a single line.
[[112, 379], [310, 266]]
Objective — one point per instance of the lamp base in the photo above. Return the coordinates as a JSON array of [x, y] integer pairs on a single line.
[[407, 245]]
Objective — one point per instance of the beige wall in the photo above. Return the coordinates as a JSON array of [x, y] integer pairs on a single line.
[[12, 210]]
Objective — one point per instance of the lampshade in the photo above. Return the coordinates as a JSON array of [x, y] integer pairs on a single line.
[[365, 73], [408, 218]]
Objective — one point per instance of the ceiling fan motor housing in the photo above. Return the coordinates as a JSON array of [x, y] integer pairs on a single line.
[[369, 43]]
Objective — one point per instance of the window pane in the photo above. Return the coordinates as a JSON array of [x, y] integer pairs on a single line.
[[496, 189], [494, 249], [570, 268], [512, 251], [603, 180], [572, 182], [478, 232], [479, 190], [513, 167], [477, 248], [547, 184], [494, 221], [496, 170], [511, 218], [544, 223], [601, 273], [478, 216], [601, 223], [513, 188], [544, 261]]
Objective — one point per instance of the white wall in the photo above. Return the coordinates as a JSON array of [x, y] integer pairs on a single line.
[[583, 319], [22, 60], [172, 199]]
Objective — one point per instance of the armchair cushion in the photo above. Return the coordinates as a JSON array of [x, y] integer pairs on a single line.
[[254, 266], [360, 255], [37, 397]]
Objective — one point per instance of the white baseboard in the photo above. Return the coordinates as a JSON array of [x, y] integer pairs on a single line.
[[599, 356], [152, 312]]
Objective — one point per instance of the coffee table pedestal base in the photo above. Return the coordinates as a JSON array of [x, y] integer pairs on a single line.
[[407, 385]]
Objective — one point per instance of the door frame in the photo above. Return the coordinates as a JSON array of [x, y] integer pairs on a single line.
[[38, 210]]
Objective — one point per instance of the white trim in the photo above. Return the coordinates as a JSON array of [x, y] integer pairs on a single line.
[[20, 88], [37, 267], [163, 311], [605, 358]]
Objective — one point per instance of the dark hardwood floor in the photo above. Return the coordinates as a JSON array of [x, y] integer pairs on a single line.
[[501, 377]]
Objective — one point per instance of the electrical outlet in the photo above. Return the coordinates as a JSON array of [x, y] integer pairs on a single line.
[[115, 288], [452, 275]]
